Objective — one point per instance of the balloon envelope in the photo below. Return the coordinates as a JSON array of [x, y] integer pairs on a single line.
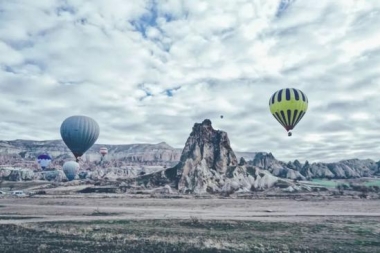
[[288, 106], [70, 169], [103, 151], [44, 160], [79, 133]]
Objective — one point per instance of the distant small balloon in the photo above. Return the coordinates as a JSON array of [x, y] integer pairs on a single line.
[[44, 161], [70, 169], [103, 151], [221, 116]]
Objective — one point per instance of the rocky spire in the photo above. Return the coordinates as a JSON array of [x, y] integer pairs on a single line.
[[206, 150], [213, 146]]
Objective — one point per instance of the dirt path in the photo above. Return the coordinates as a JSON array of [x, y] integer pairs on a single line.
[[53, 209]]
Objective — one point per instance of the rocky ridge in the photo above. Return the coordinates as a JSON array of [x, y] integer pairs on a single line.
[[345, 169], [205, 148], [23, 153]]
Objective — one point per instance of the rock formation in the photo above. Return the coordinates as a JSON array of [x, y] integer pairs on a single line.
[[207, 157], [345, 169], [24, 153], [277, 168], [20, 174], [208, 164], [16, 174]]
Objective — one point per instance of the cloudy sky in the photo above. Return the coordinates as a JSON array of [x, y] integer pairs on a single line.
[[147, 70]]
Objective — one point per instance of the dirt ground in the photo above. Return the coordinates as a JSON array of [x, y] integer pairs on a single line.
[[55, 208], [120, 223]]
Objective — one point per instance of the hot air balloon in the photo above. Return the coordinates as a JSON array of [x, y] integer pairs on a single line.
[[70, 169], [221, 116], [103, 151], [44, 161], [288, 106], [79, 133]]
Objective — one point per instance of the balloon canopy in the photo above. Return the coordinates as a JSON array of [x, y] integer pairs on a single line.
[[288, 106], [103, 151], [44, 160], [79, 133], [70, 169]]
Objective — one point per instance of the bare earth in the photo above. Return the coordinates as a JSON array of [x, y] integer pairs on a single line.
[[64, 208], [119, 223]]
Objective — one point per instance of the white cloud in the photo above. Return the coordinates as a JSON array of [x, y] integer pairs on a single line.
[[148, 70]]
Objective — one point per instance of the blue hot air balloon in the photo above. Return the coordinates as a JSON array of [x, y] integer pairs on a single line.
[[70, 169], [79, 133], [44, 161]]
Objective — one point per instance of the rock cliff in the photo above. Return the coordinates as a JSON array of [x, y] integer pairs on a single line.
[[208, 164]]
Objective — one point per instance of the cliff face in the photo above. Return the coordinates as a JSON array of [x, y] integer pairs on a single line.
[[208, 146], [207, 152]]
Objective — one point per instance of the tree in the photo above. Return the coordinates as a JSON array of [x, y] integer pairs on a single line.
[[340, 189], [364, 192]]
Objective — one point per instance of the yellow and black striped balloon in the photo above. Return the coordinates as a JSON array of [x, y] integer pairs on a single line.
[[288, 106]]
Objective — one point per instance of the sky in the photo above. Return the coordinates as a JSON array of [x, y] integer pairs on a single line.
[[147, 70]]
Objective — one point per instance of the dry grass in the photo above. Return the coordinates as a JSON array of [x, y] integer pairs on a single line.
[[126, 224]]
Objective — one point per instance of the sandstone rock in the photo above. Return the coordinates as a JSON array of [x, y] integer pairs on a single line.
[[208, 164], [24, 152], [16, 174], [207, 155], [320, 170]]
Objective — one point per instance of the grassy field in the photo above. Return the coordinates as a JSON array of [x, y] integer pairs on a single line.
[[334, 183], [192, 235], [325, 183], [374, 182]]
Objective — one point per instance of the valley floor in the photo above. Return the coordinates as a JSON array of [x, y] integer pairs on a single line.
[[116, 223]]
